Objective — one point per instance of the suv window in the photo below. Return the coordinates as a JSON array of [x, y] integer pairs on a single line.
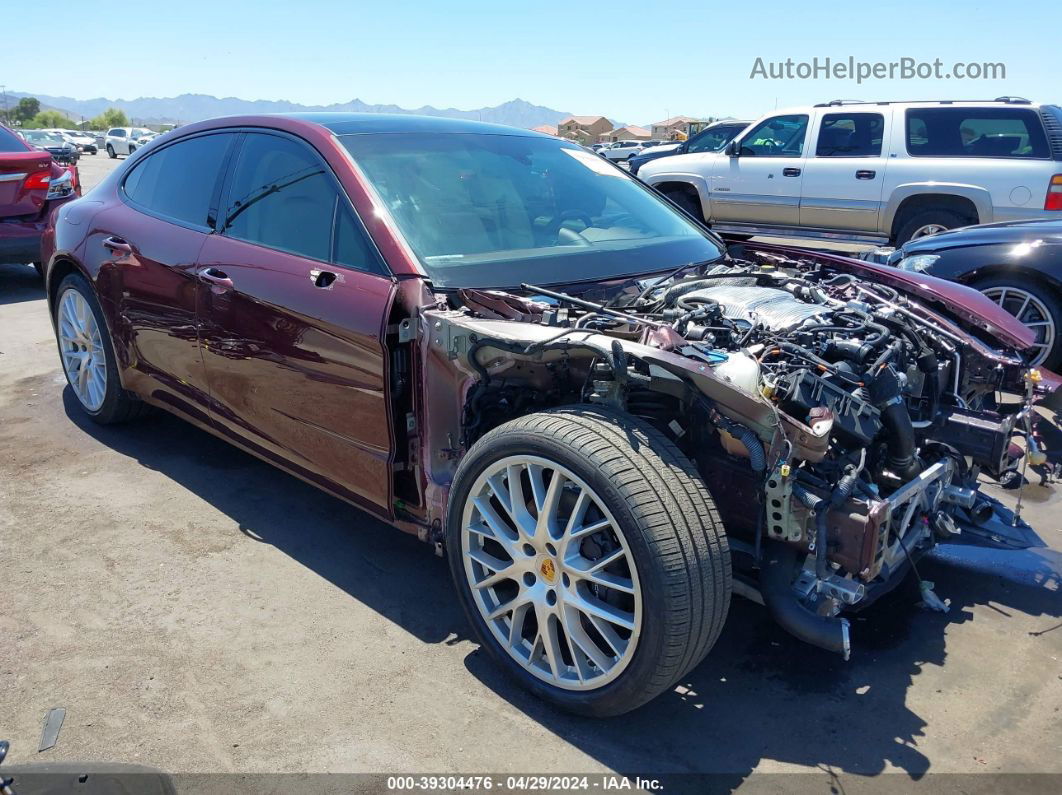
[[778, 136], [975, 132], [850, 135], [713, 139], [117, 133], [178, 181], [283, 196]]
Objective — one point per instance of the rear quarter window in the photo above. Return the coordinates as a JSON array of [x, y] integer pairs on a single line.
[[9, 142], [976, 132], [178, 181]]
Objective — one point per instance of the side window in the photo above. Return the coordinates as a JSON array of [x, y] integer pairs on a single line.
[[975, 132], [779, 136], [178, 181], [283, 197], [850, 135]]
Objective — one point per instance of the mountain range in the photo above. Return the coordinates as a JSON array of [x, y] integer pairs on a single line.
[[194, 107]]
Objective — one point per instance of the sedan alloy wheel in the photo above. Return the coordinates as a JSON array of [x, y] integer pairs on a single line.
[[81, 347], [551, 573]]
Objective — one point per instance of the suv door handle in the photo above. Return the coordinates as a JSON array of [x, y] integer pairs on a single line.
[[116, 244], [216, 276], [790, 172], [866, 174]]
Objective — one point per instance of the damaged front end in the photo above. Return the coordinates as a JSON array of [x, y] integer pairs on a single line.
[[840, 426]]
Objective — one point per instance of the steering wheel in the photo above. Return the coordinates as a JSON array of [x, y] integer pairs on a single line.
[[554, 227]]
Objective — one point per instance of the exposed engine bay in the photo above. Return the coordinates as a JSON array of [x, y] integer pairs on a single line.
[[840, 426]]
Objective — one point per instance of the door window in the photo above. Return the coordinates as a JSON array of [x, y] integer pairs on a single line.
[[178, 181], [850, 135], [975, 132], [779, 136], [283, 196]]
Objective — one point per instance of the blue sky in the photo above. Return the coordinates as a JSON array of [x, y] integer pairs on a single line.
[[635, 61]]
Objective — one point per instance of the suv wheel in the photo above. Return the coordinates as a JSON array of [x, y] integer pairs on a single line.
[[87, 355], [685, 201], [588, 556], [928, 222], [110, 152], [1035, 306]]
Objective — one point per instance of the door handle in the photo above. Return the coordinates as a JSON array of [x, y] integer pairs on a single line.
[[866, 174], [216, 276], [116, 244], [790, 172], [322, 279]]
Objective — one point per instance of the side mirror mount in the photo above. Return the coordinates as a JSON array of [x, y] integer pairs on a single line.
[[733, 149]]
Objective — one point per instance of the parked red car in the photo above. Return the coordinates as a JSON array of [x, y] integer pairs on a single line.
[[32, 185], [502, 343]]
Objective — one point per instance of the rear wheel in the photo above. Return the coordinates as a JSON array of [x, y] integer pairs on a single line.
[[87, 355], [928, 222], [1035, 306], [588, 556]]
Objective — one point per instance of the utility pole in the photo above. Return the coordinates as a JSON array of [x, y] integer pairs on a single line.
[[7, 117]]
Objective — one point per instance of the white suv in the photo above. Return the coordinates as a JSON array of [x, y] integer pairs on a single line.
[[879, 172], [126, 140], [622, 150]]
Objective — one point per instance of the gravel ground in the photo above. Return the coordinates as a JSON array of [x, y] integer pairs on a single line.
[[196, 610]]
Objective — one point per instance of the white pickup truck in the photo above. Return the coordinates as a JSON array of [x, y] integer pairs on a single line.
[[883, 172]]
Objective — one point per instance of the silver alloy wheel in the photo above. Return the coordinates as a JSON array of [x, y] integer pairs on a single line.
[[81, 347], [551, 573], [1032, 312], [928, 229]]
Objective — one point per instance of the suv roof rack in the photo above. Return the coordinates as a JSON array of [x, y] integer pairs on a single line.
[[836, 102]]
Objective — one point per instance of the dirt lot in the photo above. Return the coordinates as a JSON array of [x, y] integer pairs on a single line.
[[196, 610]]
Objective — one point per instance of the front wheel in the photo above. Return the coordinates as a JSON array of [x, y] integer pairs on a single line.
[[111, 153], [588, 556], [1036, 306]]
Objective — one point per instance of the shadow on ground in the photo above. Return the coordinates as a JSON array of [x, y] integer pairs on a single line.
[[760, 695], [19, 283]]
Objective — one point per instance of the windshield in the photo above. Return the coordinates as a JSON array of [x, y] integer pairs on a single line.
[[140, 132], [497, 210], [42, 138]]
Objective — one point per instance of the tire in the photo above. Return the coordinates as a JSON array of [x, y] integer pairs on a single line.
[[110, 152], [919, 220], [686, 202], [660, 518], [1044, 305], [116, 405]]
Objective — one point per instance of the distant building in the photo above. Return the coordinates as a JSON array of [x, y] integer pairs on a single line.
[[583, 129], [628, 133], [677, 128], [548, 129]]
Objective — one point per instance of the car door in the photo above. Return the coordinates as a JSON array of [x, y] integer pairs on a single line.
[[760, 182], [144, 247], [845, 172], [292, 319]]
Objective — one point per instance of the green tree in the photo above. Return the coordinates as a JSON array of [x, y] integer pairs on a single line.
[[27, 108], [112, 117], [51, 118]]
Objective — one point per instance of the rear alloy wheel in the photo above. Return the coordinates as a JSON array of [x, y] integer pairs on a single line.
[[588, 556], [1036, 308], [87, 357], [929, 222]]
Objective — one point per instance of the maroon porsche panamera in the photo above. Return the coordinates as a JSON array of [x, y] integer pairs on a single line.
[[495, 340]]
